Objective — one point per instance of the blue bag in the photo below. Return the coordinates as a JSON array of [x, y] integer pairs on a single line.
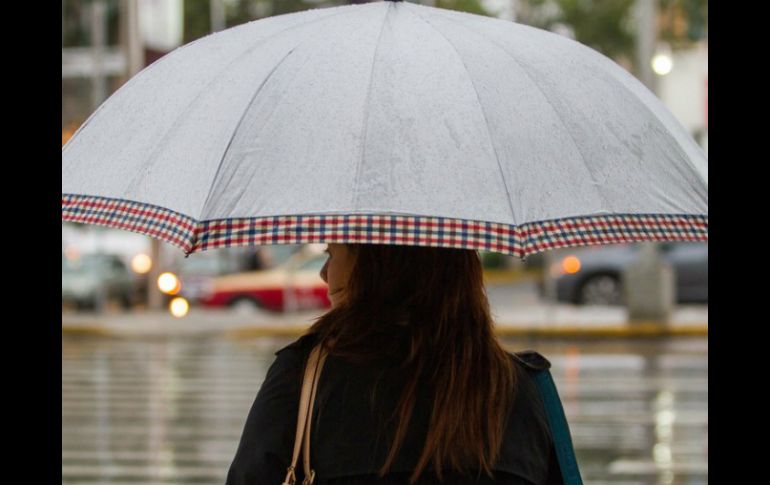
[[557, 421]]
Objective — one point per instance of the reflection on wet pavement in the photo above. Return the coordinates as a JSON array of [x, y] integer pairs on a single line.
[[171, 410]]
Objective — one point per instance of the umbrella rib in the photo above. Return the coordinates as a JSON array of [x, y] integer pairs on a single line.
[[237, 127], [256, 93], [367, 103], [547, 99], [255, 172], [612, 77], [133, 79], [481, 108], [150, 160]]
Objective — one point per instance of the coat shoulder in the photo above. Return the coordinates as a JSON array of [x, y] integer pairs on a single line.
[[304, 343], [532, 360]]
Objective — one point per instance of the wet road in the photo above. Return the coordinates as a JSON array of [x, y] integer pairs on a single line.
[[171, 410]]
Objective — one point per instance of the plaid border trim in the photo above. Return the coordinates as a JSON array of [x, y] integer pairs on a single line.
[[147, 219], [520, 241]]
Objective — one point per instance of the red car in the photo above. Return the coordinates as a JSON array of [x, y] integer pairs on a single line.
[[295, 284]]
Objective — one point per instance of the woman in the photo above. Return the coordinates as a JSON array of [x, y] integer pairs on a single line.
[[415, 389]]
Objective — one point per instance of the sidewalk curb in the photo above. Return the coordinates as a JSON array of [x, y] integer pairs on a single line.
[[638, 330], [614, 331], [508, 276], [642, 329], [85, 330]]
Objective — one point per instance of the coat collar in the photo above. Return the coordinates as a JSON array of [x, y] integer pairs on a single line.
[[532, 360]]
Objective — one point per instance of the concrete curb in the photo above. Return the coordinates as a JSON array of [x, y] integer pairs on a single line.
[[631, 331], [537, 321], [508, 276], [85, 330], [645, 330], [556, 333]]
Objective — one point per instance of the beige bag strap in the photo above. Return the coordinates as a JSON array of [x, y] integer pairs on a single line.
[[304, 418]]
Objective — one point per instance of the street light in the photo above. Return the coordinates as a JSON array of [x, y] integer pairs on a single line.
[[141, 264], [179, 307], [169, 284], [662, 62]]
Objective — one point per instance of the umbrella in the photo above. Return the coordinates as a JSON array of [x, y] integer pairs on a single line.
[[387, 123]]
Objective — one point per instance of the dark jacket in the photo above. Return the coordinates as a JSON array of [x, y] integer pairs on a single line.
[[346, 447]]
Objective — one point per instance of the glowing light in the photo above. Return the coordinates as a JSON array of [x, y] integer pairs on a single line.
[[316, 248], [67, 132], [662, 62], [662, 454], [168, 283], [179, 307], [141, 263], [72, 253], [570, 264]]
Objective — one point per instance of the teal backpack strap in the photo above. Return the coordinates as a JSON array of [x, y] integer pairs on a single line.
[[559, 428]]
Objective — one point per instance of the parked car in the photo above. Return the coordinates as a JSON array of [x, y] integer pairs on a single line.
[[197, 272], [92, 279], [599, 279], [294, 284]]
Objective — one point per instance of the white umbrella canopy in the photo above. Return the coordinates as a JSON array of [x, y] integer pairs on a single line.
[[387, 123]]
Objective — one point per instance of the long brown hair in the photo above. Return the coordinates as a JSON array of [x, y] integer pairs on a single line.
[[448, 345]]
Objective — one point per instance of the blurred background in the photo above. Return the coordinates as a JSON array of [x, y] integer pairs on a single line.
[[162, 355]]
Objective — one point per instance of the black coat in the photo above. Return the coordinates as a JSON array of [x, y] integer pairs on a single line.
[[345, 448]]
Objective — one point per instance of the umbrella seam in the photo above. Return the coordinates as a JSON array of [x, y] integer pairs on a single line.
[[367, 103], [245, 111], [286, 88], [158, 145], [631, 96], [232, 137], [253, 174], [483, 113], [125, 85], [545, 96], [668, 132]]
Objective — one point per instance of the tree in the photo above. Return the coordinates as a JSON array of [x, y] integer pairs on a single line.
[[470, 6], [609, 26], [197, 13], [604, 25], [682, 22]]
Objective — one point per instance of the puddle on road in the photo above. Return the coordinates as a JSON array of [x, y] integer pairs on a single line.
[[171, 410]]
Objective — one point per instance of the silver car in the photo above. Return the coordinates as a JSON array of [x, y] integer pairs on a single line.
[[593, 275], [94, 279]]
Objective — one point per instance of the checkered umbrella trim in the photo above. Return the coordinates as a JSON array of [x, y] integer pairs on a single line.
[[521, 241], [147, 219]]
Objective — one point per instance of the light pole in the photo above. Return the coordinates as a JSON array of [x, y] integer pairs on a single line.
[[98, 42], [217, 11], [134, 52], [648, 282]]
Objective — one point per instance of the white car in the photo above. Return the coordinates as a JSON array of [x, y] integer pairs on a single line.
[[593, 275]]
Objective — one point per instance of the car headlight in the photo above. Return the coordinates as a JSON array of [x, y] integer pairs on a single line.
[[570, 264], [566, 266]]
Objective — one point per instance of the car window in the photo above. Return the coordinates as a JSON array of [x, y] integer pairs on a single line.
[[118, 266], [81, 265], [204, 265], [314, 264]]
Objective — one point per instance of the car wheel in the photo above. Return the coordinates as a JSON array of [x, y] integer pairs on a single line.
[[126, 303], [86, 305], [244, 305], [602, 289]]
